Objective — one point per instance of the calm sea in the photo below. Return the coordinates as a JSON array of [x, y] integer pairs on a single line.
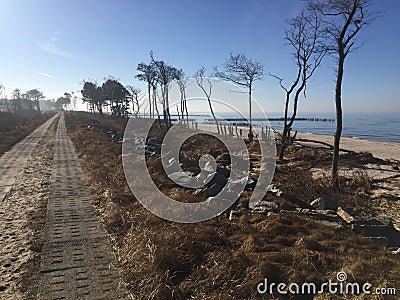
[[378, 127]]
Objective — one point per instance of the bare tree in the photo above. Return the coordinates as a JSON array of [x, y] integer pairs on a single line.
[[4, 101], [149, 76], [303, 35], [68, 98], [343, 20], [243, 71], [74, 100], [182, 82], [17, 100], [165, 75], [200, 79], [136, 105]]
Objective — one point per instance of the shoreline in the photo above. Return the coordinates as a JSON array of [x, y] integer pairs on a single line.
[[379, 149]]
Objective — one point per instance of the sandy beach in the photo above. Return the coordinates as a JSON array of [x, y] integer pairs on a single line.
[[379, 149]]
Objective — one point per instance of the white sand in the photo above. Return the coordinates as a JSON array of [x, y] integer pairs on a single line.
[[382, 150]]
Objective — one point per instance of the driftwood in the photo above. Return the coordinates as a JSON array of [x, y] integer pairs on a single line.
[[322, 143]]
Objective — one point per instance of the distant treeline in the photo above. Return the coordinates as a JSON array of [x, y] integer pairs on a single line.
[[28, 101]]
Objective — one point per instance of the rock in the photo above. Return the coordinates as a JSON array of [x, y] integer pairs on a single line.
[[234, 215], [264, 207], [188, 163], [396, 252], [224, 171], [212, 190], [210, 167], [197, 191], [224, 159], [216, 178], [154, 141], [272, 188], [172, 166], [324, 203], [324, 215], [345, 215], [215, 153], [375, 229], [217, 202], [381, 240], [181, 177], [251, 184]]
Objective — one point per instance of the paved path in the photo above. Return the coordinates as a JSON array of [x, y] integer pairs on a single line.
[[77, 256]]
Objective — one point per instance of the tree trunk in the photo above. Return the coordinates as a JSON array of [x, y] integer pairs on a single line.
[[250, 117], [149, 93], [155, 107], [186, 110], [285, 140], [285, 128], [212, 112], [338, 132]]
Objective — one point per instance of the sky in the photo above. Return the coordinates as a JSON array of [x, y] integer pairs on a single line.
[[55, 45]]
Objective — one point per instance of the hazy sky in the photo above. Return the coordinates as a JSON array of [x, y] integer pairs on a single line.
[[54, 45]]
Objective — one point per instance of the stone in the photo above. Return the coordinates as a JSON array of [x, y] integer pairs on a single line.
[[212, 190], [181, 177], [264, 207], [215, 153], [396, 252], [216, 178], [188, 163], [375, 228], [324, 203], [234, 215], [219, 203], [224, 159], [381, 240], [272, 188], [251, 184], [209, 166], [224, 171], [345, 215]]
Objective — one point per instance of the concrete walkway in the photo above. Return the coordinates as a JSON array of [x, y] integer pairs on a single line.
[[77, 256]]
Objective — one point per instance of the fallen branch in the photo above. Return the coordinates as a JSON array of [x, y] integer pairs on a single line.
[[323, 143]]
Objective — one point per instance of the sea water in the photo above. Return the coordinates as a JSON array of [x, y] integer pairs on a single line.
[[376, 127]]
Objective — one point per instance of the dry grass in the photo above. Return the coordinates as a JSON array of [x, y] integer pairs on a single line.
[[222, 259], [14, 127]]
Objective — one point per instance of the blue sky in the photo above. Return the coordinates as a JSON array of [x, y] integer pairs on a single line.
[[54, 45]]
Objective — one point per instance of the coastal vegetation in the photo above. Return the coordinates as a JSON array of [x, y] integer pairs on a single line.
[[327, 209], [292, 240]]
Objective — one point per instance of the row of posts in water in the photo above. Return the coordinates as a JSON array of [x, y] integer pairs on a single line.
[[231, 130]]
